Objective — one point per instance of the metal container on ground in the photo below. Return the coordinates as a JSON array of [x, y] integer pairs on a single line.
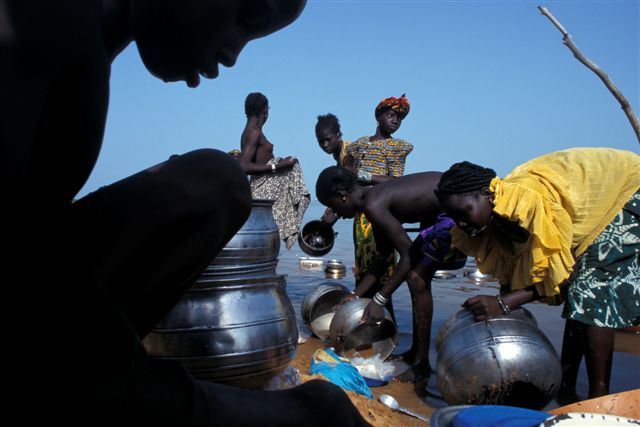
[[317, 308], [350, 336], [506, 360], [236, 325]]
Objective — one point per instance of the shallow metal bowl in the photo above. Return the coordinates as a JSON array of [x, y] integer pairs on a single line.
[[444, 274], [318, 305], [476, 275], [350, 336], [316, 238]]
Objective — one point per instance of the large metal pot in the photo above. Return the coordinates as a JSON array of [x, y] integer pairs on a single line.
[[317, 309], [236, 325], [253, 249], [506, 360], [350, 336]]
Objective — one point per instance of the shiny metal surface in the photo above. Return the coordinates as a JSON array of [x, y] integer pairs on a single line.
[[475, 275], [506, 360], [445, 274], [350, 336], [236, 325], [253, 249], [316, 238], [392, 403], [317, 309]]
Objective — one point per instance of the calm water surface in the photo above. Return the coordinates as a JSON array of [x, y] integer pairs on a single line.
[[447, 296]]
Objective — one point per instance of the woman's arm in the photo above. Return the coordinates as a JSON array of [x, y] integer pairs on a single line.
[[487, 306]]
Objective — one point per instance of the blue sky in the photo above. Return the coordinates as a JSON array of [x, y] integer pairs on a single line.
[[488, 81]]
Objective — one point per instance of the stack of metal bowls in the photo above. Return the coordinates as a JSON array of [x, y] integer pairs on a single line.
[[335, 269], [318, 307], [351, 338], [236, 325], [506, 360]]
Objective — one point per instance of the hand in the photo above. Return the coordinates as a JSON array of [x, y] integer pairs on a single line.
[[286, 163], [345, 299], [483, 307], [373, 314], [329, 217]]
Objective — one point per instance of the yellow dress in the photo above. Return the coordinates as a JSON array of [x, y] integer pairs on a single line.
[[564, 200]]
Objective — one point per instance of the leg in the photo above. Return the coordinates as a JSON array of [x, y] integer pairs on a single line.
[[150, 235], [570, 359], [598, 356], [419, 282]]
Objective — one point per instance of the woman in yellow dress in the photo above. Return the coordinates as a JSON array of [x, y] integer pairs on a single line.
[[566, 226]]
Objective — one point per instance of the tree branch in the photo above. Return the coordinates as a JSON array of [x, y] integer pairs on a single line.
[[566, 40]]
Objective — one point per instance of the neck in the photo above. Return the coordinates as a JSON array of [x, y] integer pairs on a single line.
[[255, 121], [336, 154], [380, 134], [116, 29]]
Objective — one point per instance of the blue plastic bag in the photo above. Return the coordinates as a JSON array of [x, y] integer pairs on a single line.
[[339, 371]]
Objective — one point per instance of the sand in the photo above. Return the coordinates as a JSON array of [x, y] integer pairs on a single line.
[[373, 411]]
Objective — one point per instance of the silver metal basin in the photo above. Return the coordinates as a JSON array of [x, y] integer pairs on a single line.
[[317, 309], [506, 360]]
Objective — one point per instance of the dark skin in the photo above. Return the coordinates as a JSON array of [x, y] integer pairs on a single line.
[[388, 123], [331, 143], [256, 150], [405, 199], [123, 255], [473, 213]]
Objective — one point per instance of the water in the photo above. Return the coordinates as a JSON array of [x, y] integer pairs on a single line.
[[448, 295]]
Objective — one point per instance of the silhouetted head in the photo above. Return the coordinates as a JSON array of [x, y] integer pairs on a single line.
[[186, 39], [256, 104]]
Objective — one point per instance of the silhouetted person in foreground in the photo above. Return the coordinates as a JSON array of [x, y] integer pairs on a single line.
[[89, 279]]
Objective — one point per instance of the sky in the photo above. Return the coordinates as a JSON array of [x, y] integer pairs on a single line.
[[488, 81]]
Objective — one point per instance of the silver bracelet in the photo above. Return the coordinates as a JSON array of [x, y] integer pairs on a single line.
[[380, 300], [273, 168], [364, 176], [505, 307]]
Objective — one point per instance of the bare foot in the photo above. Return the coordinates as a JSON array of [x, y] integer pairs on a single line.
[[417, 373]]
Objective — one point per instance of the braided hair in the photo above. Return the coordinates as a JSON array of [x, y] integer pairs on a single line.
[[463, 177], [329, 121], [332, 180]]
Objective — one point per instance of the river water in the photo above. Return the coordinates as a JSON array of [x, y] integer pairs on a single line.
[[448, 294]]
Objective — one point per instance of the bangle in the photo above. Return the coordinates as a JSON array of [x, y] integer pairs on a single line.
[[505, 307], [273, 168], [364, 177], [380, 300]]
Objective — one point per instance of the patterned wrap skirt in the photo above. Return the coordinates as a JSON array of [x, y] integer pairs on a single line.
[[605, 288]]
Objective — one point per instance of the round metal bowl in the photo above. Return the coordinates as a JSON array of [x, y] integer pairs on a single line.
[[506, 360], [316, 238], [475, 275], [444, 274], [350, 337], [318, 305]]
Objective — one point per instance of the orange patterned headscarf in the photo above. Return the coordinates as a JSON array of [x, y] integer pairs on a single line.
[[399, 105]]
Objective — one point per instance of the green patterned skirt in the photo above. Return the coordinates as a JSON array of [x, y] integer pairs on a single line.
[[605, 290]]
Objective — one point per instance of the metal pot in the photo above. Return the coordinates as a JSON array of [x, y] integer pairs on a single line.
[[253, 249], [350, 336], [506, 360], [316, 238], [236, 325], [317, 309]]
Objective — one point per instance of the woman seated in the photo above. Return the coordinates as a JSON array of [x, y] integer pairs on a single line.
[[274, 178]]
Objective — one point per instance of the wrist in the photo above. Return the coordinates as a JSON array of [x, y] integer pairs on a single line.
[[380, 300], [364, 177], [505, 308], [273, 168]]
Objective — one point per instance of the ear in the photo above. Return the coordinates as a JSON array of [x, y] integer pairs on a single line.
[[342, 195], [488, 194]]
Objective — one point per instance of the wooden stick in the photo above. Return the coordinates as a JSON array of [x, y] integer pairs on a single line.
[[566, 40]]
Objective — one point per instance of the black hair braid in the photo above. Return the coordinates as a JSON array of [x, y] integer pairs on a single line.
[[464, 177]]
